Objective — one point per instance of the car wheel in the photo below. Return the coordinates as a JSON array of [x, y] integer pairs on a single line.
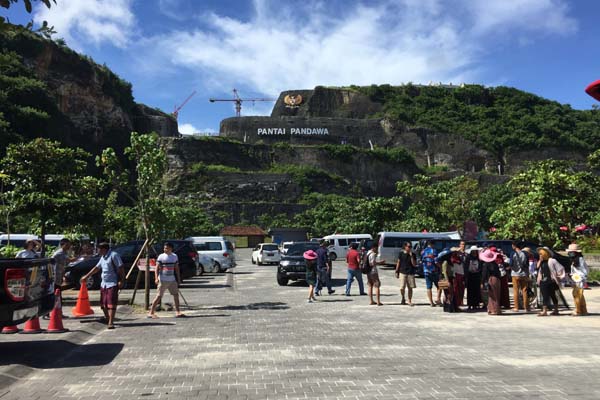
[[282, 280], [200, 270], [259, 262], [332, 256], [253, 262], [216, 267], [92, 282]]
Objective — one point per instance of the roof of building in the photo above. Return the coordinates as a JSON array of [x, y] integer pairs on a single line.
[[242, 231]]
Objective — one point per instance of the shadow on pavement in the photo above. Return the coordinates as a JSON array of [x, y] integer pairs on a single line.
[[255, 306], [209, 286], [135, 324], [45, 353]]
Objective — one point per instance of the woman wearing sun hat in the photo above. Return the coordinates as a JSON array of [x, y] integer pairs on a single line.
[[311, 273], [491, 277], [579, 272]]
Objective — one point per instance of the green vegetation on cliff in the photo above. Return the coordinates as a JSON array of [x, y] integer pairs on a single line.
[[497, 118]]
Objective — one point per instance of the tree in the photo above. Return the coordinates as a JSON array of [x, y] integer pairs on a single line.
[[50, 182], [146, 191], [548, 195]]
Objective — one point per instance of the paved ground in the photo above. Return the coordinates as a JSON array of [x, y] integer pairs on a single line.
[[248, 338]]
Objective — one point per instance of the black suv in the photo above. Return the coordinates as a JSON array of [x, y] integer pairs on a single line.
[[293, 265], [128, 251]]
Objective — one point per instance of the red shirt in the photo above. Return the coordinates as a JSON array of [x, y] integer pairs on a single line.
[[353, 258]]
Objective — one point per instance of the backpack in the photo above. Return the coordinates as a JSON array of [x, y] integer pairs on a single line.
[[365, 267]]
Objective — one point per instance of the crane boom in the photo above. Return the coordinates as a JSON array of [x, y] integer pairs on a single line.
[[237, 100], [178, 108]]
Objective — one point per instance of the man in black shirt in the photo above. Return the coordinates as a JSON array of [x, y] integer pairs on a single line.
[[405, 270]]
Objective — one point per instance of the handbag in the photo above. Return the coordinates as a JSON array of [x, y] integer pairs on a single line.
[[443, 284]]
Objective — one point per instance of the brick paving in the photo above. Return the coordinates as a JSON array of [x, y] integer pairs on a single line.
[[247, 338]]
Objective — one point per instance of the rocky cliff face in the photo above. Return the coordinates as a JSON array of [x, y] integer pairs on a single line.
[[93, 108]]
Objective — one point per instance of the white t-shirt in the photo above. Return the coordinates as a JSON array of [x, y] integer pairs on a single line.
[[372, 258], [167, 263]]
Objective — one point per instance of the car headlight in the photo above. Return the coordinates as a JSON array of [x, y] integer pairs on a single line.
[[284, 263]]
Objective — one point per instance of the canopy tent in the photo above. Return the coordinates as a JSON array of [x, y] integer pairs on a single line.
[[593, 90]]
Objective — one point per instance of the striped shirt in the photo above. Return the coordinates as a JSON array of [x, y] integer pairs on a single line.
[[167, 263]]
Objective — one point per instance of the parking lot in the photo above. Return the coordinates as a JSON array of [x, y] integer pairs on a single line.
[[248, 338]]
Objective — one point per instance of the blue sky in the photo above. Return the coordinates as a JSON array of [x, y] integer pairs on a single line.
[[168, 48]]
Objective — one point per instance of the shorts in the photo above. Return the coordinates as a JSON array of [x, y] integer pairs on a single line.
[[407, 280], [170, 286], [431, 279], [109, 297], [373, 280]]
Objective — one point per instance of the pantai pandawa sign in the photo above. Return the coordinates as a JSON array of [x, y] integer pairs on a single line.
[[292, 131]]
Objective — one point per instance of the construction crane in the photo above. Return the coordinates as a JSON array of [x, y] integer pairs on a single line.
[[238, 101], [178, 108]]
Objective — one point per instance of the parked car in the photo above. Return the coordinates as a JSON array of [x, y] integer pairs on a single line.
[[284, 247], [26, 290], [128, 251], [339, 244], [266, 253], [293, 265], [217, 247], [206, 264]]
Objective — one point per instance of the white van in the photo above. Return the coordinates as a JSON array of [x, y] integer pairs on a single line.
[[19, 239], [390, 243], [217, 247], [339, 244]]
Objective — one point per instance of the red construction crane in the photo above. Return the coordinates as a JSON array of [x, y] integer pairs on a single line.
[[178, 108], [238, 101]]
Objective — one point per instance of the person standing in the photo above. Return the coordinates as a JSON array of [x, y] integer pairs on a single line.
[[431, 273], [473, 279], [458, 260], [113, 276], [354, 272], [311, 273], [28, 250], [373, 275], [61, 259], [491, 278], [548, 280], [579, 272], [405, 271], [167, 277], [520, 276], [323, 267]]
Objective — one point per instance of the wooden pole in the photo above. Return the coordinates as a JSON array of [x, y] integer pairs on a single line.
[[134, 265]]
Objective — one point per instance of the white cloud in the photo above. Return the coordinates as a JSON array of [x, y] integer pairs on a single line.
[[87, 21], [189, 129], [543, 16]]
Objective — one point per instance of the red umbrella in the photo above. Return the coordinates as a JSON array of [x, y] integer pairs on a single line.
[[593, 89]]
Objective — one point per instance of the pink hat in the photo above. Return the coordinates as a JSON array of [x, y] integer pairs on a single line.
[[310, 255], [488, 255]]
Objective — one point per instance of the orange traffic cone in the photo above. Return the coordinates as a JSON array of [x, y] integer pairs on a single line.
[[10, 329], [56, 325], [82, 308], [32, 326]]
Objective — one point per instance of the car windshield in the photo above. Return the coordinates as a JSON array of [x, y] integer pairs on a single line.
[[298, 249], [270, 247]]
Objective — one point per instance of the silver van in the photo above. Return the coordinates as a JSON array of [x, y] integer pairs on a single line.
[[390, 243], [217, 247]]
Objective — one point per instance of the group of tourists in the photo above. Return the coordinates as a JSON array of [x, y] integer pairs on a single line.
[[477, 278]]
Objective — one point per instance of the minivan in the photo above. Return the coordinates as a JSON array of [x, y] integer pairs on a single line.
[[217, 247], [19, 239], [339, 244], [390, 243]]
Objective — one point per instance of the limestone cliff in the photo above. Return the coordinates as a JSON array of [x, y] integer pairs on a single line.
[[89, 106]]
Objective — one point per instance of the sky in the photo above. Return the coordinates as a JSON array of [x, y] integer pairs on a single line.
[[169, 48]]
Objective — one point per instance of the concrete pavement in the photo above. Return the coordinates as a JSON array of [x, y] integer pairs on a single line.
[[248, 338]]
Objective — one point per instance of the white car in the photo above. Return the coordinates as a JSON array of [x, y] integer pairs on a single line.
[[216, 247], [285, 246], [266, 253]]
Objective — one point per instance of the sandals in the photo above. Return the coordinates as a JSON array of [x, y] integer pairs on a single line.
[[180, 316]]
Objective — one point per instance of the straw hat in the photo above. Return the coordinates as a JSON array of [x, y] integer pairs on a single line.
[[488, 255], [527, 250], [574, 247], [473, 248]]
